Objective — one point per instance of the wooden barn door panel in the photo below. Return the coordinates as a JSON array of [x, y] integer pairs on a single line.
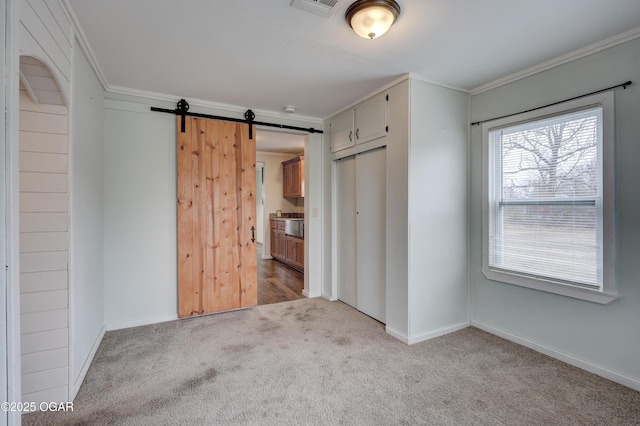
[[217, 262]]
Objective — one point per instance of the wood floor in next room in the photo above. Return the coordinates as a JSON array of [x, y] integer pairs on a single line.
[[277, 282]]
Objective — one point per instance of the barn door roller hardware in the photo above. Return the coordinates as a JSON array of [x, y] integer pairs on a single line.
[[182, 109]]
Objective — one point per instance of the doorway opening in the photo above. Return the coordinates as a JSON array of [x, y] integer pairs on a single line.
[[280, 206]]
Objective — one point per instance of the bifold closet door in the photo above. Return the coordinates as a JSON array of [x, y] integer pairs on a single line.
[[346, 229], [360, 232], [371, 177]]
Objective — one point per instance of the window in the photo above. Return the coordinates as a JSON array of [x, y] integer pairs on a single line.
[[548, 199]]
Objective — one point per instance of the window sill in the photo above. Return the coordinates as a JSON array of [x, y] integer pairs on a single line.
[[601, 297]]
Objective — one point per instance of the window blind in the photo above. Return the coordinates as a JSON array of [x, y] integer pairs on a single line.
[[545, 198]]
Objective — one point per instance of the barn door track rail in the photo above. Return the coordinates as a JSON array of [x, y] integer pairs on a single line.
[[182, 109]]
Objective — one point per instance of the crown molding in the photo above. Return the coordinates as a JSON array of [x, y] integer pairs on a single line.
[[418, 77], [560, 60], [84, 43], [201, 103]]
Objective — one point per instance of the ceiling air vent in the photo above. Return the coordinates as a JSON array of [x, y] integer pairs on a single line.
[[319, 7]]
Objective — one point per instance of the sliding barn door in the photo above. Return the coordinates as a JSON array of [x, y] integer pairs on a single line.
[[216, 217]]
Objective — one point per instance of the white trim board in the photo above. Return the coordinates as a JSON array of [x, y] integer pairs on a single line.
[[77, 382], [202, 103], [141, 321], [426, 336], [583, 365], [329, 297]]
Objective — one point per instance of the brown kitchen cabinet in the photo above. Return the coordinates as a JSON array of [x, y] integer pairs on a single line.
[[274, 238], [280, 242], [293, 178], [295, 251], [288, 249]]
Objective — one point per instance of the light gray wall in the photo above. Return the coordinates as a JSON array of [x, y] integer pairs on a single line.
[[314, 235], [87, 219], [139, 215], [397, 231], [604, 336], [437, 209]]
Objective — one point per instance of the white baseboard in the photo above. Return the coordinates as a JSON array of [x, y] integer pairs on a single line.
[[329, 297], [397, 334], [306, 293], [591, 368], [437, 333], [425, 336], [141, 321], [87, 363]]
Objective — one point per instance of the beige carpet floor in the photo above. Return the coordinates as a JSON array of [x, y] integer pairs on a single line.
[[319, 362]]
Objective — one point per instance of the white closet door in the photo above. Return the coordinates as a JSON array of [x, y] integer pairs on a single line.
[[346, 229], [371, 171]]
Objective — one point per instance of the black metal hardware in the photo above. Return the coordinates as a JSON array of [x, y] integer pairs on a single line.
[[182, 109], [350, 134], [357, 135], [387, 97], [387, 129], [623, 85], [253, 234], [250, 116]]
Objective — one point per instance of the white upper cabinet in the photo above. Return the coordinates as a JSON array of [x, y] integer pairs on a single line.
[[342, 135], [366, 122], [371, 119]]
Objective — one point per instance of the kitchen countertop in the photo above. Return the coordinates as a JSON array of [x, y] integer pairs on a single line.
[[286, 218]]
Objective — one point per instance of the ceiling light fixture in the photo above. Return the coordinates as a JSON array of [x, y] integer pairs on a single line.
[[372, 18]]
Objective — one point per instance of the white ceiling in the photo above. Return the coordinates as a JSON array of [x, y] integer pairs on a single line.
[[265, 54]]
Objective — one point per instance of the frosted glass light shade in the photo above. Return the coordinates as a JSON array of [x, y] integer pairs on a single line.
[[372, 18]]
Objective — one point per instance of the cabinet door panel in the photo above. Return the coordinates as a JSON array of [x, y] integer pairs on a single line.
[[295, 251], [300, 253], [346, 229], [342, 136], [281, 245], [371, 119], [286, 180], [273, 240], [371, 233], [293, 178], [297, 179]]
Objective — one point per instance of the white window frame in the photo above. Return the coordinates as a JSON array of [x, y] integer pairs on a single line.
[[608, 292]]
